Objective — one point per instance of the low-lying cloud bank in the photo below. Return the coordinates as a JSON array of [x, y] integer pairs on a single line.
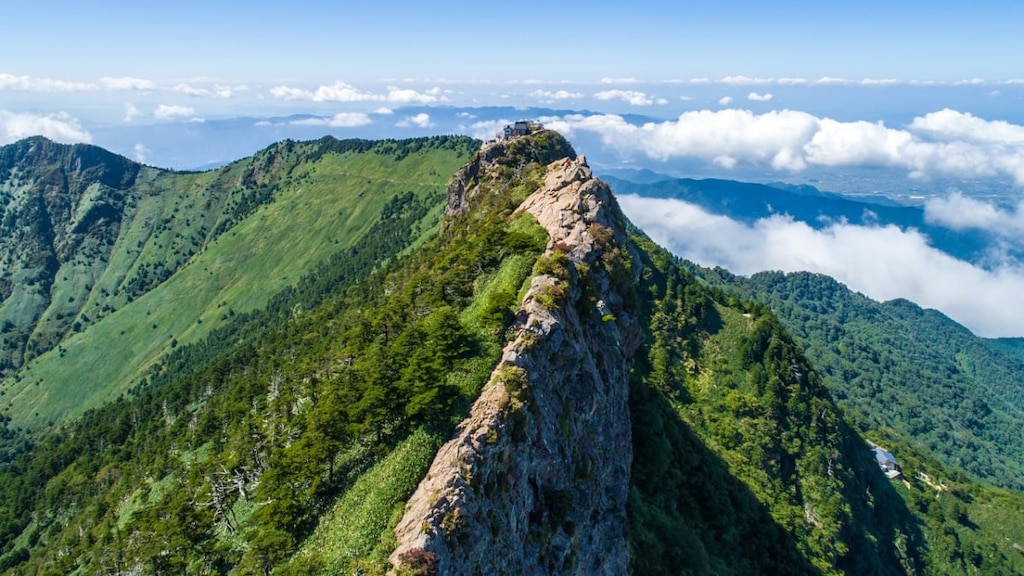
[[946, 142], [882, 262], [59, 126], [959, 212]]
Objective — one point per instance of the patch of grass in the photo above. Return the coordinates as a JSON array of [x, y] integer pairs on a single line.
[[359, 527]]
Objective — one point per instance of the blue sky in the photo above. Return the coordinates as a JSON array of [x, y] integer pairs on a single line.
[[362, 41], [921, 101]]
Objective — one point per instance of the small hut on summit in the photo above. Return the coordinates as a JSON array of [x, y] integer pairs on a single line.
[[519, 128]]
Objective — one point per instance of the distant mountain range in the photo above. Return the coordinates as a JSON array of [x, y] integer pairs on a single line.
[[749, 202]]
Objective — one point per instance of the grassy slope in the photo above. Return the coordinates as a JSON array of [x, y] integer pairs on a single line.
[[894, 365], [327, 206]]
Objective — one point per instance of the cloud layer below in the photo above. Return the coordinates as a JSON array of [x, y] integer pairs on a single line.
[[946, 142], [344, 92], [60, 126], [881, 262]]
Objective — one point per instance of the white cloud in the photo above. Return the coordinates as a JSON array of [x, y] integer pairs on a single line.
[[421, 120], [744, 80], [554, 96], [487, 129], [959, 212], [754, 96], [629, 80], [29, 84], [882, 262], [171, 111], [410, 96], [190, 90], [337, 92], [290, 93], [941, 143], [225, 91], [344, 92], [60, 126], [339, 120], [127, 83], [830, 80], [218, 90], [725, 100], [384, 110], [632, 96], [878, 82], [139, 153], [131, 112], [949, 124]]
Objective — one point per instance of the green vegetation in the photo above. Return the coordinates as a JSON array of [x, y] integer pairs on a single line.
[[262, 224], [894, 366], [744, 464], [329, 400], [740, 450], [337, 328]]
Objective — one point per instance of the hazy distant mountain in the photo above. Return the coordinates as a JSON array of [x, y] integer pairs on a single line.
[[748, 202]]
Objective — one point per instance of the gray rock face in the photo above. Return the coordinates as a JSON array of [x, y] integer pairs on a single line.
[[463, 182], [536, 478]]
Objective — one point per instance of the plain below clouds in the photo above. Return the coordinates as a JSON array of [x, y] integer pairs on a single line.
[[881, 262]]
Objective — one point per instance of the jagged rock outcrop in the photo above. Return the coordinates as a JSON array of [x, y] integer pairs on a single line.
[[535, 480], [469, 175]]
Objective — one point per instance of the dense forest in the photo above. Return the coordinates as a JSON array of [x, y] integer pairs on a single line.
[[895, 366], [740, 448]]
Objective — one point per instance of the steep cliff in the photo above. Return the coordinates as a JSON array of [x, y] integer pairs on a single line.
[[535, 480]]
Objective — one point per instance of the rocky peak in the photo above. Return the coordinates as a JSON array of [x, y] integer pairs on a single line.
[[536, 478], [501, 159]]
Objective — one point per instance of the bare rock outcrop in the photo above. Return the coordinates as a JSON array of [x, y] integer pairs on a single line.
[[535, 480]]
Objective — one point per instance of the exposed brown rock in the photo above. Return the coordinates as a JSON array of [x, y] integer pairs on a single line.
[[536, 478]]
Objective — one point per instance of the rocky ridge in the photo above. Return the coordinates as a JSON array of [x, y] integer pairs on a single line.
[[535, 480]]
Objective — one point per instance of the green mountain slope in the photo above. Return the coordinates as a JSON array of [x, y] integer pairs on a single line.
[[894, 366], [757, 436], [192, 250], [523, 384]]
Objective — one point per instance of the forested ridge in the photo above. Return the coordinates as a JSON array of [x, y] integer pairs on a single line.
[[746, 463], [896, 366]]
